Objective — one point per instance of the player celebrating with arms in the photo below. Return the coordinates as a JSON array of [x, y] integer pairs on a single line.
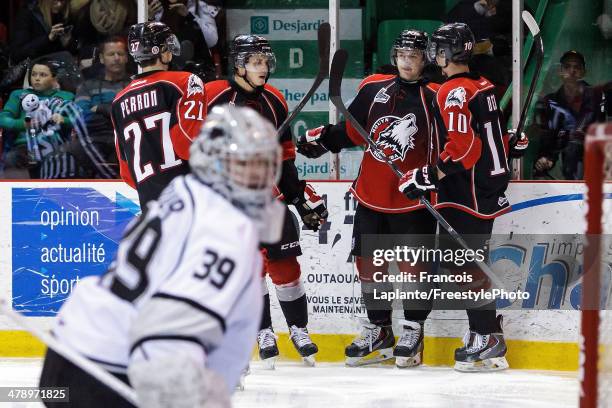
[[395, 109], [471, 176], [253, 62]]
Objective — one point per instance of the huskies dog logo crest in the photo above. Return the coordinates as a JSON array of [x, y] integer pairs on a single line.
[[194, 85], [456, 97], [395, 139]]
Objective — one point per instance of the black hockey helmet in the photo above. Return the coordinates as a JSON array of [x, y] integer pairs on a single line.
[[457, 41], [148, 40], [243, 46], [409, 40]]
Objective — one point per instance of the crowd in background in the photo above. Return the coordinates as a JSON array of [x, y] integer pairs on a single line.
[[62, 62]]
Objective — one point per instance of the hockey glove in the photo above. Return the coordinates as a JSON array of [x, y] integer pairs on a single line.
[[518, 145], [310, 144], [311, 208], [417, 182]]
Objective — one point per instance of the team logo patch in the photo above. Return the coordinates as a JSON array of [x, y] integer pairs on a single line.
[[194, 85], [501, 201], [155, 49], [456, 97], [394, 137], [382, 96]]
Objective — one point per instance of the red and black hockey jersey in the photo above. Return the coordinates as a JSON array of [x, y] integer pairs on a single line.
[[155, 119], [474, 147], [398, 116], [271, 104]]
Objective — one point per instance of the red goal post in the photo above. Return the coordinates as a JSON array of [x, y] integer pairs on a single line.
[[596, 328]]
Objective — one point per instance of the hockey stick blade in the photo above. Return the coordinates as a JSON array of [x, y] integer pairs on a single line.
[[324, 35], [531, 23], [335, 83]]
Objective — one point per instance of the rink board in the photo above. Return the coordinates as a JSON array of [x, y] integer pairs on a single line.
[[31, 221]]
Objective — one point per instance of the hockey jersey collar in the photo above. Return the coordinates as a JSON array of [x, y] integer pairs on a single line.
[[409, 84], [146, 74], [471, 75], [249, 95]]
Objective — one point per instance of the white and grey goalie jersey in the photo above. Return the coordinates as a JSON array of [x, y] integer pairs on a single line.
[[187, 274]]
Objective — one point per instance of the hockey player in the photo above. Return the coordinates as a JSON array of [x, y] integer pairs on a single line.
[[471, 176], [157, 115], [178, 311], [253, 61], [396, 111]]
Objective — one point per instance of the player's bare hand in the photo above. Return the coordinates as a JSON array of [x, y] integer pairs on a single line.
[[543, 164]]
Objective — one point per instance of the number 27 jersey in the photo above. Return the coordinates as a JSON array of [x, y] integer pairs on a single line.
[[155, 118]]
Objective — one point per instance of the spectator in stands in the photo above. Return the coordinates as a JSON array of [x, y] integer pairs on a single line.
[[477, 15], [485, 63], [99, 19], [491, 23], [194, 21], [42, 28], [94, 145], [37, 120], [564, 116]]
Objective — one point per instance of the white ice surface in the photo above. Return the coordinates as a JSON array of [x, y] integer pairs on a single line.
[[333, 385]]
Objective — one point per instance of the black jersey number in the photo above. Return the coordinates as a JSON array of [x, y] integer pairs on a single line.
[[143, 241], [134, 131], [217, 268]]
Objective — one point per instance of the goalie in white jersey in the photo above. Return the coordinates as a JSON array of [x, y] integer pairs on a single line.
[[177, 313]]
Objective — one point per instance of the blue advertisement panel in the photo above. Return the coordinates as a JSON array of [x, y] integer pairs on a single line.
[[59, 236]]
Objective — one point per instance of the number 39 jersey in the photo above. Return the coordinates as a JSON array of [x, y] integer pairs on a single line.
[[474, 147], [181, 279], [155, 119]]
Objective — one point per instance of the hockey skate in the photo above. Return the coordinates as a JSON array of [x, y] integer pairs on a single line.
[[408, 351], [373, 345], [482, 352], [268, 350], [303, 344]]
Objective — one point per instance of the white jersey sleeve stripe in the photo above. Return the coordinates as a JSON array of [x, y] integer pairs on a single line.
[[195, 305]]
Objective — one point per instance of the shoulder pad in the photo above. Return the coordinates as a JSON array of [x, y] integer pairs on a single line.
[[277, 94], [374, 79], [215, 88]]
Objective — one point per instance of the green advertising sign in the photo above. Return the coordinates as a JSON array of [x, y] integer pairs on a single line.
[[300, 59], [291, 24]]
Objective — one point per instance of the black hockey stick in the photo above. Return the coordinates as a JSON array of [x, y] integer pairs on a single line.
[[335, 83], [537, 39], [324, 35]]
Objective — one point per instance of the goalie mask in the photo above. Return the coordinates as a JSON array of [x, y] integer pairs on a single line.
[[148, 40], [452, 42], [237, 153]]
